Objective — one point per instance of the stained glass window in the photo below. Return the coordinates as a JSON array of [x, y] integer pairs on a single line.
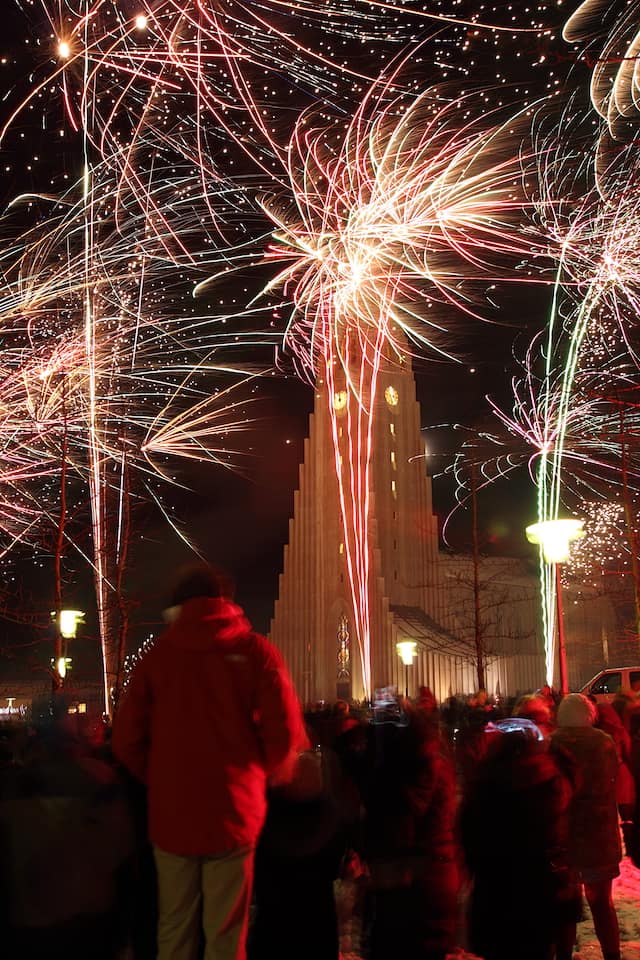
[[344, 649]]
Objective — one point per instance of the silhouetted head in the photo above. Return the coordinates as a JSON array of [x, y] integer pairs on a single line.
[[201, 580], [624, 699], [426, 699], [535, 708], [510, 746], [576, 710], [607, 716]]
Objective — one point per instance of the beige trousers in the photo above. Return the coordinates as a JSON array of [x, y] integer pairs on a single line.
[[203, 893]]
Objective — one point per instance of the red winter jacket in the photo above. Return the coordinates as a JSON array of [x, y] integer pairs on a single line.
[[210, 713]]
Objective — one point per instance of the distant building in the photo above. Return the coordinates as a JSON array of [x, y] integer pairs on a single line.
[[30, 700], [14, 708], [416, 592]]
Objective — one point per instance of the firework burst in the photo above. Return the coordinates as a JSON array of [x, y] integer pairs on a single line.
[[392, 228], [86, 406], [615, 81]]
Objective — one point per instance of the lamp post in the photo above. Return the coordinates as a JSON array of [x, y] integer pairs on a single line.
[[555, 537], [66, 629], [406, 650]]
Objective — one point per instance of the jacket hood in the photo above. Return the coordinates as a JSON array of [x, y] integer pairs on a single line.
[[515, 764], [576, 710], [205, 621]]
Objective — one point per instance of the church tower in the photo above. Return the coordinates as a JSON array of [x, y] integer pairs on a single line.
[[314, 614]]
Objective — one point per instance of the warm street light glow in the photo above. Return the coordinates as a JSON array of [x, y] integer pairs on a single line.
[[69, 620], [64, 50], [61, 667], [141, 22], [555, 536], [406, 651]]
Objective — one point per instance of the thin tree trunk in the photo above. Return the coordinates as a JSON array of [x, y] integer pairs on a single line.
[[58, 648], [478, 638], [121, 567]]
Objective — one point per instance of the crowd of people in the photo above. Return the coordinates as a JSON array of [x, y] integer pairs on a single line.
[[217, 818]]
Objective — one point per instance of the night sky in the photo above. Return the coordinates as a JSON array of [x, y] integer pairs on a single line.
[[240, 520]]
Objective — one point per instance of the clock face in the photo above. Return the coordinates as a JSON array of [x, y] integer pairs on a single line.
[[340, 400], [391, 396]]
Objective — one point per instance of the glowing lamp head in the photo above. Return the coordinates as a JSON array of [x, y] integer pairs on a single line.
[[61, 667], [69, 620], [406, 651], [141, 22], [555, 537], [64, 50]]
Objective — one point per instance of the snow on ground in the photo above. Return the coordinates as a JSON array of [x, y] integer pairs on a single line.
[[626, 891]]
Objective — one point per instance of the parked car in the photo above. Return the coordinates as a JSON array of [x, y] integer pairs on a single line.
[[604, 686]]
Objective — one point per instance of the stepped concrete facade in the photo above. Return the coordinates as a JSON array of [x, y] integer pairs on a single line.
[[416, 592]]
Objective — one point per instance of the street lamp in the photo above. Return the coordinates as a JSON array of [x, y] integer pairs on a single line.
[[406, 650], [555, 537], [68, 623], [66, 629]]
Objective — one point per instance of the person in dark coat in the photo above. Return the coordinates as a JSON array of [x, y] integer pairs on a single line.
[[594, 835], [632, 841], [451, 717], [471, 742], [67, 839], [610, 722], [426, 700], [514, 829], [624, 703], [299, 855], [409, 800]]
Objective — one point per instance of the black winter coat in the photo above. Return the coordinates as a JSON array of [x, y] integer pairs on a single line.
[[514, 827]]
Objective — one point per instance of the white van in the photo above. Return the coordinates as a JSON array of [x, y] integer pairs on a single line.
[[604, 686]]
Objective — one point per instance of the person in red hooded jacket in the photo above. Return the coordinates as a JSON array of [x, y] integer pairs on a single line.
[[209, 717]]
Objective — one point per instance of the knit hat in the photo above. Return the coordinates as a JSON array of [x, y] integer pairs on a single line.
[[200, 580], [576, 710]]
